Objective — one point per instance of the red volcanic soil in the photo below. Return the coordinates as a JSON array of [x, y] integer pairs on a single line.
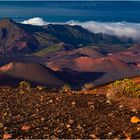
[[128, 56], [84, 63], [31, 72], [56, 115], [106, 64], [100, 64], [89, 52], [21, 44], [136, 79], [102, 70]]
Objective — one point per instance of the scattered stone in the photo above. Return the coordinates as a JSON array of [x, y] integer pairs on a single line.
[[68, 125], [110, 133], [42, 119], [50, 101], [108, 101], [92, 107], [138, 128], [128, 135], [25, 128], [71, 121], [121, 106], [1, 125], [93, 136], [73, 103], [67, 117], [7, 136], [135, 119], [134, 110]]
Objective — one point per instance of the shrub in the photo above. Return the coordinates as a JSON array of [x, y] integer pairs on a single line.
[[125, 88], [24, 85], [40, 88], [88, 86], [66, 88]]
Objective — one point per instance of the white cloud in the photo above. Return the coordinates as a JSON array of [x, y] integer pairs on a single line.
[[35, 21], [112, 28]]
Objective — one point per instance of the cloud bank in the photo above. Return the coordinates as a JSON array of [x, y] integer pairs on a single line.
[[121, 29]]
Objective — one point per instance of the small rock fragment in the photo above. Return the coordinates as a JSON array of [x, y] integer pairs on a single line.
[[68, 126], [25, 128], [121, 106], [71, 121], [1, 125], [7, 136], [108, 102], [138, 128], [92, 107], [93, 136], [110, 133], [73, 103], [134, 110], [50, 101], [135, 119]]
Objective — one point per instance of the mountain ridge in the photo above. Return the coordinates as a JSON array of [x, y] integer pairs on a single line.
[[22, 38]]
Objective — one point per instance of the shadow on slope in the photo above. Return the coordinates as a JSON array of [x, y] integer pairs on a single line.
[[36, 73], [7, 80], [77, 79]]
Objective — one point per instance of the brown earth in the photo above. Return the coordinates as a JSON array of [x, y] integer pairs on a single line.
[[136, 79], [43, 114], [36, 73]]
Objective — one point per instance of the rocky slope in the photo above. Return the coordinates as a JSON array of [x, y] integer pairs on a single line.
[[42, 114]]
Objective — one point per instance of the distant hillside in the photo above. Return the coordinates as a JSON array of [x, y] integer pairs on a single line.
[[13, 73], [86, 65], [53, 48], [21, 38]]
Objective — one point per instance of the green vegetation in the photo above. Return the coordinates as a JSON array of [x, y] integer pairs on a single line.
[[126, 88], [53, 48], [88, 86], [66, 88], [41, 88], [104, 48], [24, 85]]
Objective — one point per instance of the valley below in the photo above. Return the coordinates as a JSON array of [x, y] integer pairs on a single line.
[[72, 54]]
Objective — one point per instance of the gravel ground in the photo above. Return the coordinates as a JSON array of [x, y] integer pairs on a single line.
[[42, 114]]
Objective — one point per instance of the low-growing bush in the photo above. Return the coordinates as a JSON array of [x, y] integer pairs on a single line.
[[122, 88], [88, 86], [66, 88], [41, 88], [24, 85]]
